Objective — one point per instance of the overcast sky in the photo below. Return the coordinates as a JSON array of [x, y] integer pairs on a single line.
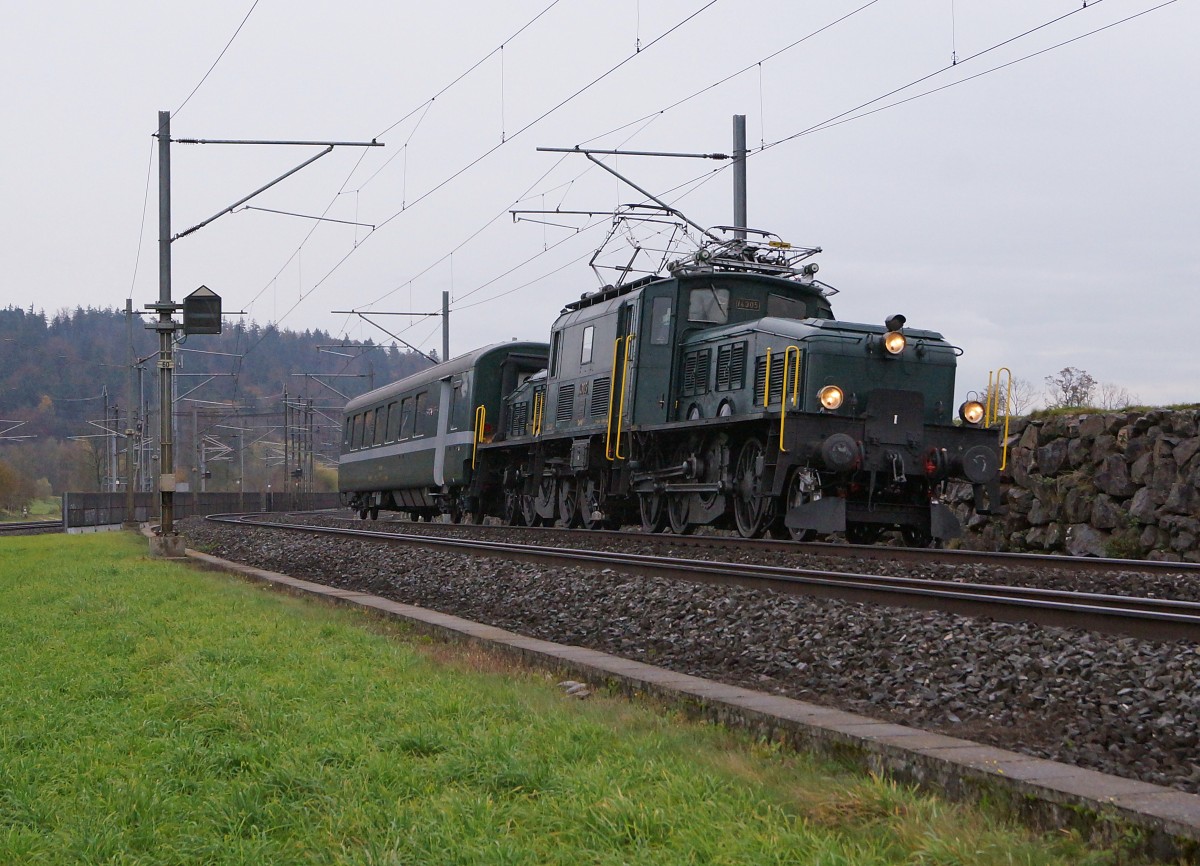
[[1042, 215]]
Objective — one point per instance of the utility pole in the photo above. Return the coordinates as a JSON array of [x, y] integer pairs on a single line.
[[130, 439], [201, 310], [445, 326], [739, 176], [167, 542]]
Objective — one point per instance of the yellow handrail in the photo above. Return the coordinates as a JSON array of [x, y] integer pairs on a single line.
[[624, 387], [612, 395], [539, 410], [767, 380], [787, 353], [480, 422], [991, 409]]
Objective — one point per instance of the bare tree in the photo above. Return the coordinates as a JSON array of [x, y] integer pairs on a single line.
[[1072, 387], [1019, 397], [1116, 397]]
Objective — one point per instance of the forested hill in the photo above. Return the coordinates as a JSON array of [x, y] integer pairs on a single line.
[[59, 373]]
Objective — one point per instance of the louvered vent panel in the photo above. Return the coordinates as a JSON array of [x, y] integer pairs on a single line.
[[601, 388], [518, 419], [731, 366], [776, 379], [695, 372], [566, 405]]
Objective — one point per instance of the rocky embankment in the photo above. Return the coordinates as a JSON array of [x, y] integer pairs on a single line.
[[1124, 484]]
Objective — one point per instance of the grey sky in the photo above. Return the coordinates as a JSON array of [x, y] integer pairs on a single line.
[[1040, 216]]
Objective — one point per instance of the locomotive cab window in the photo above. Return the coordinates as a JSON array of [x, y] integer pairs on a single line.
[[585, 355], [786, 308], [660, 322], [709, 305]]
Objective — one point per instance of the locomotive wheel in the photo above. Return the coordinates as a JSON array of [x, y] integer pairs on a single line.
[[863, 533], [653, 510], [362, 514], [529, 511], [798, 493], [545, 501], [568, 503], [751, 511], [678, 506], [591, 502]]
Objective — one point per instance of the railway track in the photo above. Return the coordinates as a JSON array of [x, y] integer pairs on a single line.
[[1150, 618], [735, 543], [30, 526]]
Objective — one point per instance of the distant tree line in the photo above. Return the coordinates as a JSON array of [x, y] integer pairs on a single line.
[[64, 381]]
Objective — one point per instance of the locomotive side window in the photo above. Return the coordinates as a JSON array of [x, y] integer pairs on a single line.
[[786, 308], [393, 421], [660, 322], [456, 405], [585, 356], [709, 305], [406, 417], [554, 346]]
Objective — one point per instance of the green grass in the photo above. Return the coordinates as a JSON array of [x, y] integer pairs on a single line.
[[150, 714], [49, 508]]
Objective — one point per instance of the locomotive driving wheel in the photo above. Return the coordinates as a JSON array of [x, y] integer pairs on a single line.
[[568, 502], [529, 514], [678, 506], [653, 511], [592, 501], [752, 511]]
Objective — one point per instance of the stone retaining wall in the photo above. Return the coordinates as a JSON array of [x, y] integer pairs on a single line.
[[1124, 484]]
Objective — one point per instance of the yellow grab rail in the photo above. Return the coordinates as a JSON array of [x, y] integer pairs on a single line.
[[787, 354], [539, 410], [480, 423], [991, 409], [767, 380], [613, 451]]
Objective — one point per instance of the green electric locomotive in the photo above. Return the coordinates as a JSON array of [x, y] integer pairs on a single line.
[[723, 394]]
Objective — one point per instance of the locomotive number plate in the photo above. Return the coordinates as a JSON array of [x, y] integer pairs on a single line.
[[747, 304]]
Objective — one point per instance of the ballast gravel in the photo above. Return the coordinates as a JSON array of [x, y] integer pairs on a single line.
[[1122, 706]]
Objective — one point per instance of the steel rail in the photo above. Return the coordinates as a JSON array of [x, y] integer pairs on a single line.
[[32, 525], [923, 555], [1148, 618]]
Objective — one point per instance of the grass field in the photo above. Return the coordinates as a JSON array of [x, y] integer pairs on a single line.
[[151, 714]]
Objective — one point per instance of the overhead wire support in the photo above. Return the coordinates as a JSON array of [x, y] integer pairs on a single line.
[[329, 146], [588, 152]]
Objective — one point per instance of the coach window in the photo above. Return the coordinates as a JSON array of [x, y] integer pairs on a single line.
[[368, 433], [380, 424], [660, 322], [406, 418], [585, 357], [356, 436], [420, 407], [346, 434], [393, 421]]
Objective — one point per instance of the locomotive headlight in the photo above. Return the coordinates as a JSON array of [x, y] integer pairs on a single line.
[[971, 412], [894, 342], [830, 397]]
